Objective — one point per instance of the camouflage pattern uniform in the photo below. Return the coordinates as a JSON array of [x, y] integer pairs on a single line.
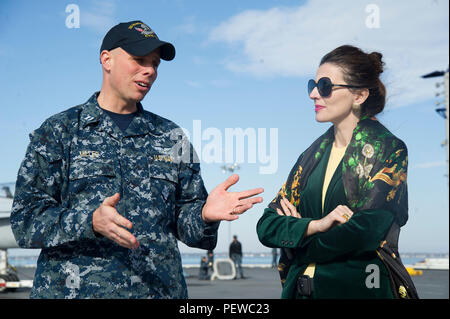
[[74, 161]]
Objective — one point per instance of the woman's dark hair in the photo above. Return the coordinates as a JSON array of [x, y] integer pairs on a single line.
[[361, 69]]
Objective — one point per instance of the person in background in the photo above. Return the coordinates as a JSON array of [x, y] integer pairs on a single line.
[[210, 259], [346, 191], [236, 256], [203, 272], [274, 257]]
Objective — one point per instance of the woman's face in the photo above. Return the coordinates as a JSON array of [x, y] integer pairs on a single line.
[[337, 106]]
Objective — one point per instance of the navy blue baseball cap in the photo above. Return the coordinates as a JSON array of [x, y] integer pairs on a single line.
[[138, 39]]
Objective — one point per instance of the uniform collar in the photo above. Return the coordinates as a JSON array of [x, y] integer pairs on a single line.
[[91, 111], [142, 123]]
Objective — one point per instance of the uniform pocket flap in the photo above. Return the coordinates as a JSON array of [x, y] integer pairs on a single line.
[[49, 153], [162, 170], [83, 170]]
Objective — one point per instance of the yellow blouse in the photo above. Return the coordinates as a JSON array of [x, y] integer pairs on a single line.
[[336, 155]]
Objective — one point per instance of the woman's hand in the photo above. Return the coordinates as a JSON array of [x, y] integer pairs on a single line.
[[340, 215], [288, 209]]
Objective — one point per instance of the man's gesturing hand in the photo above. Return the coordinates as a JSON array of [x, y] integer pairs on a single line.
[[108, 222], [224, 205]]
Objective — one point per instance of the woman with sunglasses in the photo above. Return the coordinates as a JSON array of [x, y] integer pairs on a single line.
[[344, 192]]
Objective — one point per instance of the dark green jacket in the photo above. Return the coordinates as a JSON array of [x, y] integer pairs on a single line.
[[371, 181]]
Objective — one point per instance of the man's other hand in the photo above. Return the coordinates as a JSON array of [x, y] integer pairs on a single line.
[[224, 205], [108, 222]]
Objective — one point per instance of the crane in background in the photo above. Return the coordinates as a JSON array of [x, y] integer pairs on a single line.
[[442, 105]]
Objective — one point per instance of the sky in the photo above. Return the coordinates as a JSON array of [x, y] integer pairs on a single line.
[[240, 65]]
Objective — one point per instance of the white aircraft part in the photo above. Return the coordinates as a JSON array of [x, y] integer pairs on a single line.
[[7, 239]]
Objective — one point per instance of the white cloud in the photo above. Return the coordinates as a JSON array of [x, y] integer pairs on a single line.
[[198, 60], [221, 83], [194, 84], [430, 164], [99, 17], [187, 27], [290, 41]]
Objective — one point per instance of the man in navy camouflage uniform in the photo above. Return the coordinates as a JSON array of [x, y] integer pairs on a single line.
[[106, 188]]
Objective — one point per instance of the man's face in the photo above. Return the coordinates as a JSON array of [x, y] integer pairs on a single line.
[[131, 77]]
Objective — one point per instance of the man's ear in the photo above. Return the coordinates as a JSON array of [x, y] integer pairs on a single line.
[[361, 96], [106, 59]]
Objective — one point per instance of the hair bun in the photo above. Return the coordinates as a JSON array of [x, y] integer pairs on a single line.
[[377, 61]]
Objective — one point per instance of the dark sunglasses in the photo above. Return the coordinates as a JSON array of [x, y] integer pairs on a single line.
[[324, 86]]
